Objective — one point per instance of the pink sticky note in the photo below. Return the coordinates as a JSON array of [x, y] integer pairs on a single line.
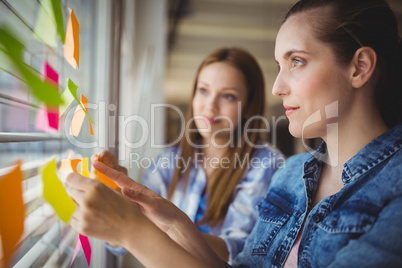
[[52, 77], [77, 248], [86, 247], [42, 120]]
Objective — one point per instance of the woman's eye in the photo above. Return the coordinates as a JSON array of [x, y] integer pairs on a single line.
[[202, 90], [296, 62], [230, 97]]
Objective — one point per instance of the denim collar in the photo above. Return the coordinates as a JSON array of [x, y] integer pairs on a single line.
[[373, 154]]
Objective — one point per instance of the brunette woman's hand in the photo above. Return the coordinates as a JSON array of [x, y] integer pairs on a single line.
[[109, 160], [167, 217], [160, 211], [103, 212]]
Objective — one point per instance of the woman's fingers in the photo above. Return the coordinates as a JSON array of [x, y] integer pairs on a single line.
[[78, 181], [138, 196], [77, 195], [118, 177], [94, 157]]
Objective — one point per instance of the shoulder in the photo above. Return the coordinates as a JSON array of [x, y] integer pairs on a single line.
[[292, 169], [169, 151], [266, 150], [392, 171]]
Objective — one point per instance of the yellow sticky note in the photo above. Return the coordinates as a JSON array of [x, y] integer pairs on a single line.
[[12, 212], [84, 167], [55, 194], [72, 41]]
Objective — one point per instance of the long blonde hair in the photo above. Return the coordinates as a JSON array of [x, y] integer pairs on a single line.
[[224, 180]]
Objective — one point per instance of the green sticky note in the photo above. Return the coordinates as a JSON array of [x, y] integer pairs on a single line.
[[58, 15], [42, 90], [67, 98], [55, 194], [45, 27], [73, 89]]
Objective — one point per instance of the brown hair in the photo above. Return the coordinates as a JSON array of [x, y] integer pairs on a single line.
[[224, 180], [351, 24]]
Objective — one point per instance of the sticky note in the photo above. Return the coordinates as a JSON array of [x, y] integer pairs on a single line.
[[74, 164], [65, 166], [45, 27], [73, 89], [12, 212], [55, 194], [52, 77], [85, 103], [72, 41], [58, 15], [42, 120], [67, 98], [77, 121], [108, 182], [77, 248], [42, 90], [86, 247], [84, 167]]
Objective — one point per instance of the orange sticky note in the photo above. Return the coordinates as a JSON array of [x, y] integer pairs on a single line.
[[72, 42], [108, 182], [12, 212], [85, 103], [55, 194], [74, 164]]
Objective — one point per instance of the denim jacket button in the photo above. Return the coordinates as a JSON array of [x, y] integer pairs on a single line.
[[334, 221], [316, 218]]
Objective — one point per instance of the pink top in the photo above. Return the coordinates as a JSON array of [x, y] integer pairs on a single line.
[[291, 261]]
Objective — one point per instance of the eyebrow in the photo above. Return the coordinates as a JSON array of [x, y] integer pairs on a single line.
[[225, 88], [290, 52]]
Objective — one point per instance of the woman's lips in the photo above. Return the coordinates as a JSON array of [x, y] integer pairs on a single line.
[[290, 110], [211, 120]]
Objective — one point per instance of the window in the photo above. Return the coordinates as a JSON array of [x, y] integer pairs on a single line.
[[46, 240]]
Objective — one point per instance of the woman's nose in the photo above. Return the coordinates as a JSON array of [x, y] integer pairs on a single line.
[[212, 102], [280, 87]]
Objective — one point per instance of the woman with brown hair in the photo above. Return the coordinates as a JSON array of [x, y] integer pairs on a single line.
[[221, 169]]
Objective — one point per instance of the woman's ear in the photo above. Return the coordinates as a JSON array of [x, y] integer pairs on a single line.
[[363, 65]]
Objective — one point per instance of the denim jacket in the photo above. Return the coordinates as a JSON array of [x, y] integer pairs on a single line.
[[360, 226]]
